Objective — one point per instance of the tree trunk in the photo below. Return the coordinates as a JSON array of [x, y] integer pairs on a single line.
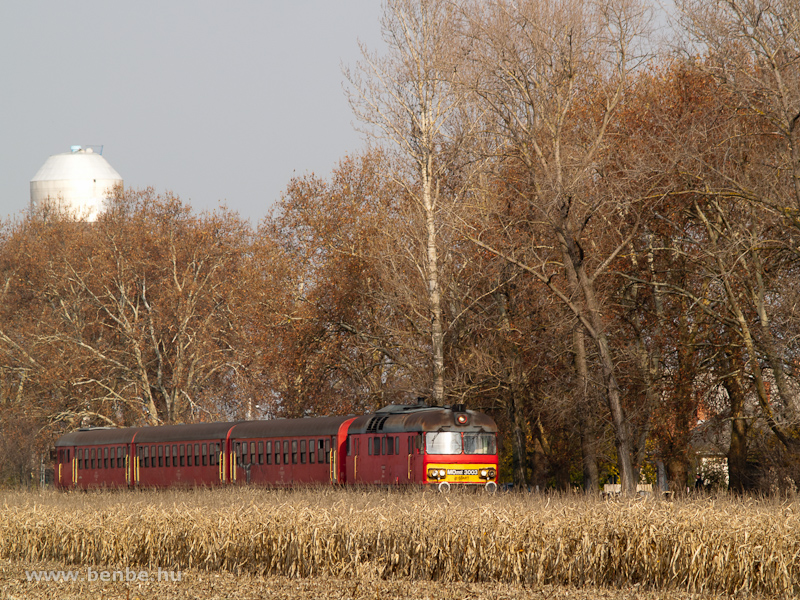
[[591, 475], [434, 296], [678, 474], [519, 446], [737, 452]]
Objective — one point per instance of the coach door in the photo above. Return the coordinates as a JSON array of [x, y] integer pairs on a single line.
[[67, 467], [332, 458], [130, 465], [354, 466], [223, 461], [415, 458]]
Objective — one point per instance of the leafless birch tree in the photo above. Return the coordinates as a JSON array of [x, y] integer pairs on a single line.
[[405, 101]]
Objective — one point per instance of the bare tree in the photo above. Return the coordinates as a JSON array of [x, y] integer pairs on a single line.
[[139, 317], [406, 101], [551, 77], [749, 198]]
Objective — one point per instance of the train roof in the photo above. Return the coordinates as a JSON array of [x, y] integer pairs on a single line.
[[97, 436], [397, 418], [183, 433], [394, 418], [100, 436], [289, 427]]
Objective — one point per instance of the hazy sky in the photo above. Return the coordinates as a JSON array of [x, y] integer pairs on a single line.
[[214, 101]]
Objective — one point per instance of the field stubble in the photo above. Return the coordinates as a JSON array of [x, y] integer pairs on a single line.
[[534, 542]]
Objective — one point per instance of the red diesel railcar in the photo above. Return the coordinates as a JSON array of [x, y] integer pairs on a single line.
[[398, 444]]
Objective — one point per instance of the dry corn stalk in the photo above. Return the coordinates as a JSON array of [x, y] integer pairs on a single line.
[[719, 545]]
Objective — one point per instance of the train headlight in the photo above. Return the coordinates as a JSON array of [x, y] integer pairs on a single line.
[[461, 419], [484, 473], [492, 473], [442, 472], [433, 474]]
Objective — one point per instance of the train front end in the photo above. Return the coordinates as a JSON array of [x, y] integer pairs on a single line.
[[460, 449]]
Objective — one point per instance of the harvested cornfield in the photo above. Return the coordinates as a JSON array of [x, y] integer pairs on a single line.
[[710, 545]]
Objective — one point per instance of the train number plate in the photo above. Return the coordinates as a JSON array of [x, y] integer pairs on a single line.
[[462, 472]]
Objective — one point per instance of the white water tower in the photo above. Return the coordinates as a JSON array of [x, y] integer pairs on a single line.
[[78, 181]]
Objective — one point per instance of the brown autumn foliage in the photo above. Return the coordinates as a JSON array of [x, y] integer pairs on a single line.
[[141, 317], [600, 250]]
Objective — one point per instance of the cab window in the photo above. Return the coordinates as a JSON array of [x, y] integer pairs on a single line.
[[443, 442], [480, 443]]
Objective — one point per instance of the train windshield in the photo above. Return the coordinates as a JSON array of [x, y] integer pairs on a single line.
[[443, 442], [480, 443]]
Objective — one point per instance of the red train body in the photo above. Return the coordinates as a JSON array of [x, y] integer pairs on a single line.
[[399, 444]]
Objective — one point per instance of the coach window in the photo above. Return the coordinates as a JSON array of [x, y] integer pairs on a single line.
[[261, 452], [183, 458], [146, 456], [174, 455], [277, 452], [312, 451], [204, 454], [328, 451], [390, 442], [197, 455], [286, 452], [213, 450], [369, 447], [377, 442], [385, 450], [119, 456], [294, 452], [79, 456], [302, 451], [253, 458], [167, 456], [94, 458], [160, 455]]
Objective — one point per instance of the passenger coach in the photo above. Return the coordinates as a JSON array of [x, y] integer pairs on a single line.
[[398, 444]]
